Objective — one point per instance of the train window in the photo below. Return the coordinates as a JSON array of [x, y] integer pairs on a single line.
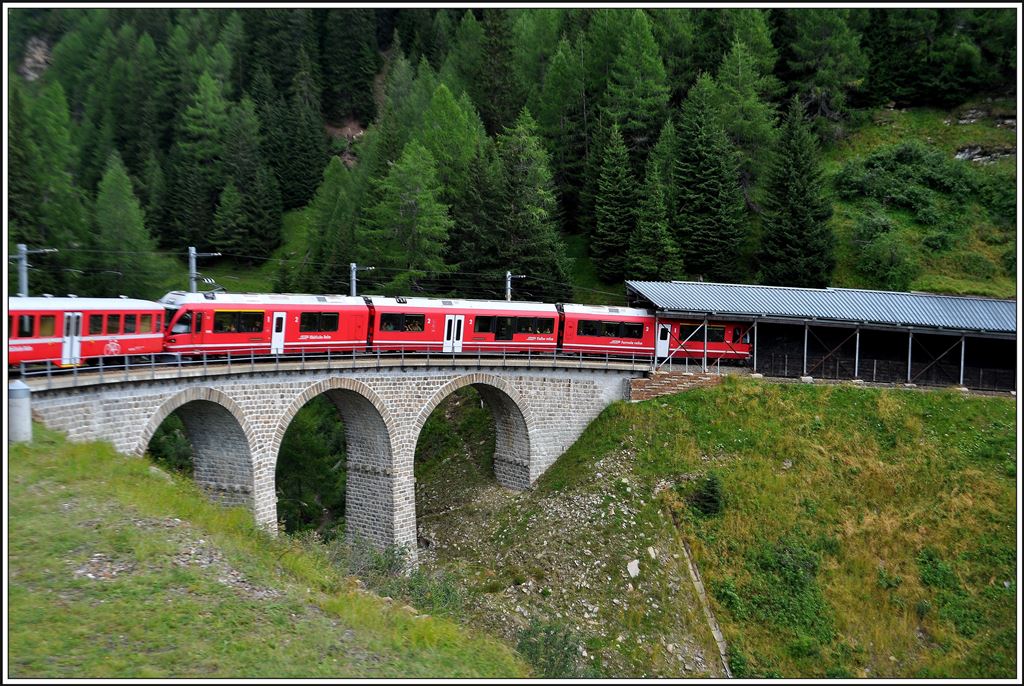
[[483, 324], [609, 329], [632, 330], [129, 323], [663, 334], [26, 324], [526, 325], [224, 322], [328, 321], [113, 323], [318, 321], [250, 322], [691, 332], [414, 322], [47, 325], [716, 334], [145, 323], [95, 324], [504, 327], [184, 324], [199, 322], [545, 325], [587, 327], [390, 322]]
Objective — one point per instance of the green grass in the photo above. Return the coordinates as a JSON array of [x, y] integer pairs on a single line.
[[160, 619], [840, 505]]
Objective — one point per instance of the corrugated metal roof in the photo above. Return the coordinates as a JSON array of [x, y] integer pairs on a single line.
[[887, 308]]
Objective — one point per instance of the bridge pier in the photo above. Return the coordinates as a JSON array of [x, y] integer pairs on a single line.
[[236, 421]]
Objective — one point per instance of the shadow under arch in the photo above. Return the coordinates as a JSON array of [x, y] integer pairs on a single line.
[[513, 419], [221, 440], [372, 489]]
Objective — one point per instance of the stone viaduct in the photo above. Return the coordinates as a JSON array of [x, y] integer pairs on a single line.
[[235, 419]]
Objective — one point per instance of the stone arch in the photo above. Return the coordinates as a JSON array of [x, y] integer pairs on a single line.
[[374, 490], [513, 424], [221, 438]]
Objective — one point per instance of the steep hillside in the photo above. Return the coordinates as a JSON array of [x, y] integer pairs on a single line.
[[118, 570], [839, 532]]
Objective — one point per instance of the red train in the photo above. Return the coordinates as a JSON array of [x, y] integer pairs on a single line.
[[191, 324]]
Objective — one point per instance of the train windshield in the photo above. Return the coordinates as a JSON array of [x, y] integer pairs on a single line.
[[184, 323]]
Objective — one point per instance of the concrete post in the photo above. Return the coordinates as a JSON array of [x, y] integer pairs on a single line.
[[856, 357], [19, 398]]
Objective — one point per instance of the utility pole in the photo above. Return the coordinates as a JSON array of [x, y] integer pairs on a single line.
[[352, 269], [192, 273], [508, 283], [23, 265]]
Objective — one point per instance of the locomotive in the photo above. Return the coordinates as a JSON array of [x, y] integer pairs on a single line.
[[73, 331]]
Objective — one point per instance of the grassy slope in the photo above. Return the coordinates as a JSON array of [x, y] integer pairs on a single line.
[[940, 273], [263, 608], [832, 496], [858, 481]]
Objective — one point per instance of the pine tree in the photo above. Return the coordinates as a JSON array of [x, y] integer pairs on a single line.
[[673, 29], [709, 203], [615, 210], [797, 248], [332, 220], [307, 143], [476, 216], [527, 240], [748, 117], [653, 254], [230, 230], [466, 60], [121, 240], [409, 225], [664, 156], [637, 94]]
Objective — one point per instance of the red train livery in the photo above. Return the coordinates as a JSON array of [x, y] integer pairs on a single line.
[[67, 331], [191, 324]]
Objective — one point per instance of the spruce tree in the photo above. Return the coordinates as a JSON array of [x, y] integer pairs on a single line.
[[502, 92], [230, 230], [470, 242], [332, 219], [349, 60], [466, 62], [615, 210], [827, 59], [798, 246], [121, 240], [653, 254], [745, 111], [527, 239], [709, 204], [562, 119], [409, 225], [637, 93], [197, 163], [307, 142], [664, 156]]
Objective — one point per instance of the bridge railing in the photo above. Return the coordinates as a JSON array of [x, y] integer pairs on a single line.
[[108, 370]]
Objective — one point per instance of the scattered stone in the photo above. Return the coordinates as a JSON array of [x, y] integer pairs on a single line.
[[787, 464], [652, 552], [102, 567], [634, 569]]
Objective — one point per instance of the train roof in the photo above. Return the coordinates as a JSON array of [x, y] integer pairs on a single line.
[[604, 310], [179, 298], [72, 304], [510, 305]]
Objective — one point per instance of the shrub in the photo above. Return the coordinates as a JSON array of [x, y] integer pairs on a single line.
[[871, 226], [802, 647], [889, 263], [888, 581], [709, 498], [725, 592], [975, 264], [550, 648], [937, 241], [935, 572]]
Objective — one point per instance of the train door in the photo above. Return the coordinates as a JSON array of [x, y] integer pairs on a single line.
[[277, 337], [453, 324], [664, 334], [71, 341]]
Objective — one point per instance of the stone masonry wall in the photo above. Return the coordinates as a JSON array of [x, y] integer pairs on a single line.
[[236, 424]]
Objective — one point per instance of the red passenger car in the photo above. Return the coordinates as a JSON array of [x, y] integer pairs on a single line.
[[71, 331], [725, 340], [601, 329], [426, 324], [264, 323]]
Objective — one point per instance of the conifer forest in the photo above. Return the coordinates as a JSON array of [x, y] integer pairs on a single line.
[[445, 147]]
